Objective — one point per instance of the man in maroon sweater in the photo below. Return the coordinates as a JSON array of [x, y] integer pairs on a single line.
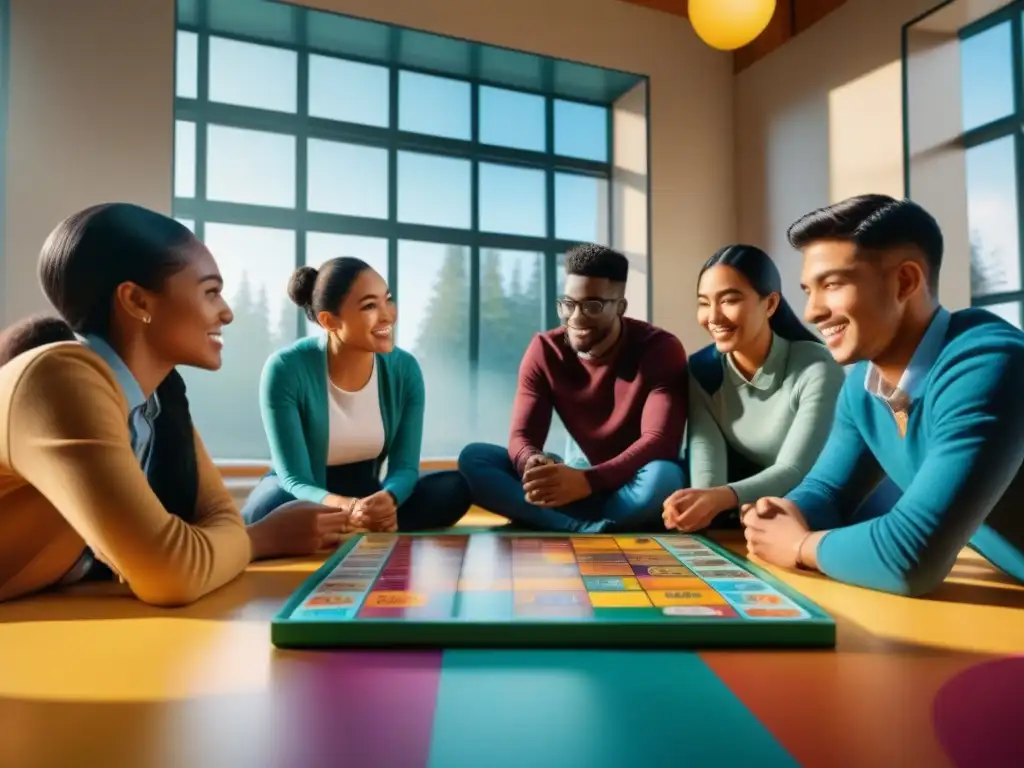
[[619, 386]]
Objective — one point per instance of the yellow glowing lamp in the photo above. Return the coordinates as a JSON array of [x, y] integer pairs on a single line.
[[730, 24]]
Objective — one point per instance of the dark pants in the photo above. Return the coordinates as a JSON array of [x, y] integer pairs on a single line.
[[496, 486], [439, 500]]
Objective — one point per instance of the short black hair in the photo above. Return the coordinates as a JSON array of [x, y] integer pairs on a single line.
[[591, 260], [875, 223], [30, 333]]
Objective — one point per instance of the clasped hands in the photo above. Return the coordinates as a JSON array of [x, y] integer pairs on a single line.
[[775, 531], [548, 483]]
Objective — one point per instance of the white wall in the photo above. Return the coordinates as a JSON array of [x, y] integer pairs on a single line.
[[91, 108], [821, 119]]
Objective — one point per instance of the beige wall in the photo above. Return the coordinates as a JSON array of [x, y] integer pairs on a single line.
[[820, 119], [91, 116]]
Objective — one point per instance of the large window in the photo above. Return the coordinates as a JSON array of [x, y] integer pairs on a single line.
[[992, 65], [461, 173]]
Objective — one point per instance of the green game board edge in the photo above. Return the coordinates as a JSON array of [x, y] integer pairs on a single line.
[[313, 580], [770, 579], [819, 631]]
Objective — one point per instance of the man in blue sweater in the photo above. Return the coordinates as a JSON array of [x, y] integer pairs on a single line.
[[933, 401]]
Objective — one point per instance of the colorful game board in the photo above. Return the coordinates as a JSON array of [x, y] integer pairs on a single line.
[[516, 589]]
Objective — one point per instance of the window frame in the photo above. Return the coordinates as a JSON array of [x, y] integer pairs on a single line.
[[1009, 125], [201, 112]]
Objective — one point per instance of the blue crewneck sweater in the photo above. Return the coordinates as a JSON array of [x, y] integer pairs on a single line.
[[958, 467]]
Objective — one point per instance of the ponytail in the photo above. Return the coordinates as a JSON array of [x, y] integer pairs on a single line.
[[786, 324]]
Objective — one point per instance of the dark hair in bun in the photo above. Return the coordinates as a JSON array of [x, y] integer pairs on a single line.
[[325, 289]]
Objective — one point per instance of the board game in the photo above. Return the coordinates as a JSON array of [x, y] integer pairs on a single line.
[[508, 589]]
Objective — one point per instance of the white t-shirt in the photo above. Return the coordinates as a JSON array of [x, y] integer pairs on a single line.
[[356, 424]]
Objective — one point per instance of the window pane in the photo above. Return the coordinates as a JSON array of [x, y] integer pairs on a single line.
[[438, 106], [348, 91], [511, 314], [186, 78], [232, 176], [321, 246], [256, 263], [512, 200], [433, 190], [433, 324], [581, 208], [581, 130], [1009, 311], [350, 179], [190, 223], [251, 75], [512, 119], [184, 159], [992, 217], [986, 76]]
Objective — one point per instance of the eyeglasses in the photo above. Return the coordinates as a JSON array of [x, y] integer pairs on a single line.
[[589, 307]]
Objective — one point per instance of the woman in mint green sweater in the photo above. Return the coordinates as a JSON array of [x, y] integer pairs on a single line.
[[336, 407], [762, 396]]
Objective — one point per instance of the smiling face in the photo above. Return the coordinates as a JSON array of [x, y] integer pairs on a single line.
[[366, 318], [590, 311], [189, 312], [731, 311], [856, 303]]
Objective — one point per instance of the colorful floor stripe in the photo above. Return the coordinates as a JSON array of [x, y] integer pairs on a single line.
[[351, 708], [564, 708]]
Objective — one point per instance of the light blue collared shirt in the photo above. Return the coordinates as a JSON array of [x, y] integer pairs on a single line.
[[142, 415], [903, 394]]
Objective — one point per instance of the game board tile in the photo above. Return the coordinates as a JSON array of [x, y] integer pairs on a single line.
[[598, 547], [662, 570], [623, 599], [552, 612], [646, 613], [330, 613], [484, 585], [321, 599], [395, 599], [483, 606], [577, 597], [730, 574], [345, 585], [559, 557], [638, 544], [761, 599], [671, 582], [426, 613], [663, 598], [700, 611], [610, 583], [708, 562], [773, 613], [605, 569], [545, 571], [353, 573], [548, 585], [638, 559], [601, 557], [752, 585]]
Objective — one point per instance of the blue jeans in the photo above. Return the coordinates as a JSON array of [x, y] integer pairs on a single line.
[[496, 486], [439, 500]]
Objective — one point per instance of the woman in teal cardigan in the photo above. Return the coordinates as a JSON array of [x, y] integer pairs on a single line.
[[336, 407]]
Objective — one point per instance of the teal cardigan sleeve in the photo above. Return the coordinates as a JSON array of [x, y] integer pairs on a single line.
[[289, 451], [814, 403], [404, 455], [975, 449]]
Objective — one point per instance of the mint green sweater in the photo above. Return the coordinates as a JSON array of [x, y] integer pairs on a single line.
[[293, 402], [778, 420]]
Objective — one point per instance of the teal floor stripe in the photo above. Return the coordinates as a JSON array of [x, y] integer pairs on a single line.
[[534, 709]]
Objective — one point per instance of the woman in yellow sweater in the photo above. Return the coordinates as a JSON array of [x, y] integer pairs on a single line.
[[101, 471]]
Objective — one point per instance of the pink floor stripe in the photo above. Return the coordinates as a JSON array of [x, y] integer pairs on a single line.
[[358, 708], [979, 715]]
